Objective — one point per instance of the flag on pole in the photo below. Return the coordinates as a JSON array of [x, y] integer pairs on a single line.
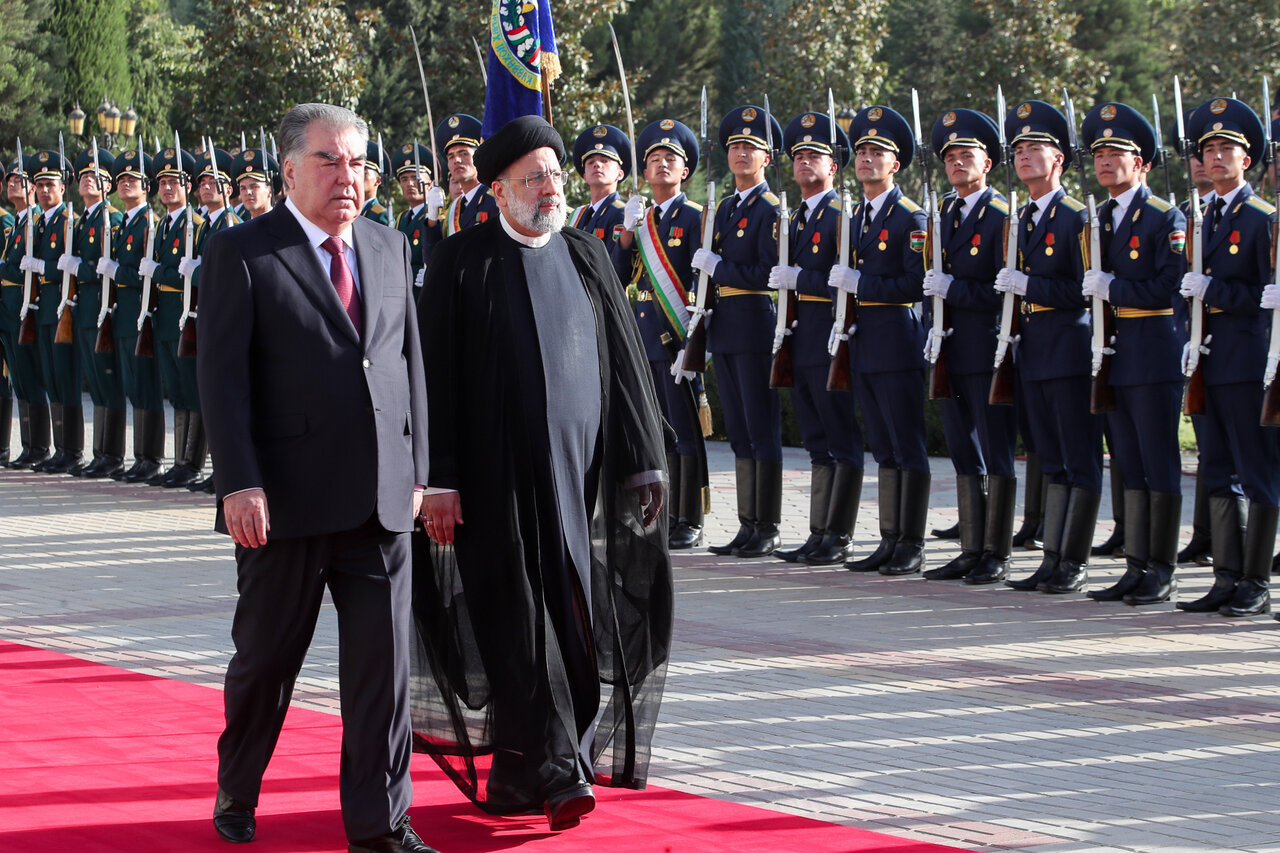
[[522, 51]]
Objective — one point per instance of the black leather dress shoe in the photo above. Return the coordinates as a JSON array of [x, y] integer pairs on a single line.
[[952, 532], [565, 809], [142, 472], [684, 535], [233, 820], [401, 840], [1251, 599]]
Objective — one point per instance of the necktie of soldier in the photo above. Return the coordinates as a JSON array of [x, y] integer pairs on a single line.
[[343, 283], [1216, 215], [1031, 216]]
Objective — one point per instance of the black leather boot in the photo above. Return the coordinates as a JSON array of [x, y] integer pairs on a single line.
[[1114, 544], [820, 480], [6, 428], [1253, 595], [90, 470], [745, 480], [72, 441], [23, 459], [913, 517], [1226, 521], [842, 515], [197, 451], [889, 484], [58, 459], [971, 504], [179, 448], [1199, 549], [112, 447], [765, 539], [997, 537], [1158, 583], [1056, 498], [687, 531], [41, 422], [148, 444], [1137, 532], [1082, 519], [1033, 506]]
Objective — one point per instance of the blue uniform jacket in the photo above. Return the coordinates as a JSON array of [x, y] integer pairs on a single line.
[[814, 249], [1147, 256], [890, 336], [746, 240], [421, 236], [1055, 344], [606, 223], [50, 244], [972, 254], [680, 230], [1237, 257]]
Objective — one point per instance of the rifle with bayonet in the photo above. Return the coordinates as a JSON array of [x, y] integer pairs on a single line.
[[1002, 381], [939, 381], [431, 215], [694, 356], [781, 372], [65, 333], [187, 319], [105, 341], [1160, 152], [1102, 396], [1193, 398], [382, 162], [1271, 397], [30, 293], [840, 374]]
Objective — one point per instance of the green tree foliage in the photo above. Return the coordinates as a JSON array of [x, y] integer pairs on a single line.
[[1227, 46], [30, 83], [161, 62], [260, 57], [93, 32]]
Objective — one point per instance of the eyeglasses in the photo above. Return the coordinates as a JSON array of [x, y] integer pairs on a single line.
[[534, 180]]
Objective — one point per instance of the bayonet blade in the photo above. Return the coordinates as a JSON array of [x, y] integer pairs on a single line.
[[1000, 115], [1177, 109], [626, 102], [1155, 121], [703, 115]]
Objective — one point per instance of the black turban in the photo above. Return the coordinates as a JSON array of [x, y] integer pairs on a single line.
[[512, 141]]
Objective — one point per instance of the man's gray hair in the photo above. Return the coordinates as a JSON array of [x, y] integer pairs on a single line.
[[293, 128]]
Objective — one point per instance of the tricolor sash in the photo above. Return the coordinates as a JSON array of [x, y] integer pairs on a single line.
[[579, 215], [453, 219], [666, 283]]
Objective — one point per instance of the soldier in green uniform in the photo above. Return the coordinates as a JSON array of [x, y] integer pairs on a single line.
[[173, 170], [256, 174], [100, 370], [376, 166], [59, 369], [24, 374], [7, 221]]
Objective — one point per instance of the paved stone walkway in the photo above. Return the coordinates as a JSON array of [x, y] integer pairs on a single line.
[[985, 718]]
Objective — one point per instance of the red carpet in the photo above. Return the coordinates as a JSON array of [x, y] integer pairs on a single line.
[[95, 758]]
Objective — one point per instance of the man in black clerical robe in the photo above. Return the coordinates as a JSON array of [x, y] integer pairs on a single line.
[[544, 593]]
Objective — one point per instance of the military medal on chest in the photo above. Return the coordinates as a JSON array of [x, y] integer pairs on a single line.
[[1133, 247], [884, 239], [742, 226], [676, 237], [1048, 244], [975, 243], [1234, 240]]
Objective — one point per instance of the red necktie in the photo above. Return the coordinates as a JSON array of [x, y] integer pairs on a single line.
[[342, 280]]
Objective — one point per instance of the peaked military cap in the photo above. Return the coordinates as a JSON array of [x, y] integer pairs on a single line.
[[458, 129], [1177, 142], [885, 127], [512, 141], [27, 168], [747, 124], [967, 128], [1039, 121], [84, 164], [171, 162], [127, 164], [672, 135], [1119, 126], [602, 139], [377, 158], [51, 164], [402, 159], [205, 163], [254, 163], [812, 132], [1227, 118]]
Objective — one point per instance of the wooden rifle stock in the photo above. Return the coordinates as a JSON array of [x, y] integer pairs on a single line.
[[939, 379], [66, 323], [187, 343], [782, 373], [27, 332], [1270, 404], [1102, 397], [105, 343], [840, 376], [1002, 384], [695, 345]]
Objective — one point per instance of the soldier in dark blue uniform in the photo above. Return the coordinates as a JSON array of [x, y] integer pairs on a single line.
[[414, 168], [887, 361], [24, 372], [7, 221], [1143, 258], [173, 172], [602, 156], [139, 375], [740, 331], [1237, 252], [655, 251], [457, 138], [1054, 352], [59, 368], [377, 168], [257, 175], [827, 421], [100, 370], [980, 436]]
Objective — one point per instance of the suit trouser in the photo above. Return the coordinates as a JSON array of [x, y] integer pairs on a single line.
[[59, 370], [827, 420], [752, 412], [893, 410], [281, 585], [675, 408], [100, 370], [980, 436], [24, 369], [1233, 442], [1068, 435], [1144, 436]]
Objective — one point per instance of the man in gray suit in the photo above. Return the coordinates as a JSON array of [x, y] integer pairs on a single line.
[[311, 380]]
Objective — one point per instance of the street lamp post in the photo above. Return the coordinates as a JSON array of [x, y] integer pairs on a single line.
[[111, 122]]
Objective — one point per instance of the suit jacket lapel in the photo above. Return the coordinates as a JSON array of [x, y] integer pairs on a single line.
[[1225, 227], [373, 258], [299, 258]]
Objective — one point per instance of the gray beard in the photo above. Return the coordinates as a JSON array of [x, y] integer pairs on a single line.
[[528, 215]]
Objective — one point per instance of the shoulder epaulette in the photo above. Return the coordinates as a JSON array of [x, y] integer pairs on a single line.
[[1260, 204], [1154, 201], [377, 208], [908, 205], [1071, 204], [617, 204], [196, 219], [835, 204], [693, 205], [1000, 205], [233, 218], [111, 209], [768, 196]]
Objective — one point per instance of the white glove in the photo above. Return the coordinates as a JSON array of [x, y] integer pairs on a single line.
[[844, 278], [837, 336], [1194, 285], [188, 266], [68, 263], [1011, 281], [678, 371], [634, 213], [705, 260], [108, 267], [147, 268], [783, 278], [1186, 353], [1271, 296], [30, 263], [933, 344], [937, 283], [420, 277], [435, 201], [1097, 283]]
